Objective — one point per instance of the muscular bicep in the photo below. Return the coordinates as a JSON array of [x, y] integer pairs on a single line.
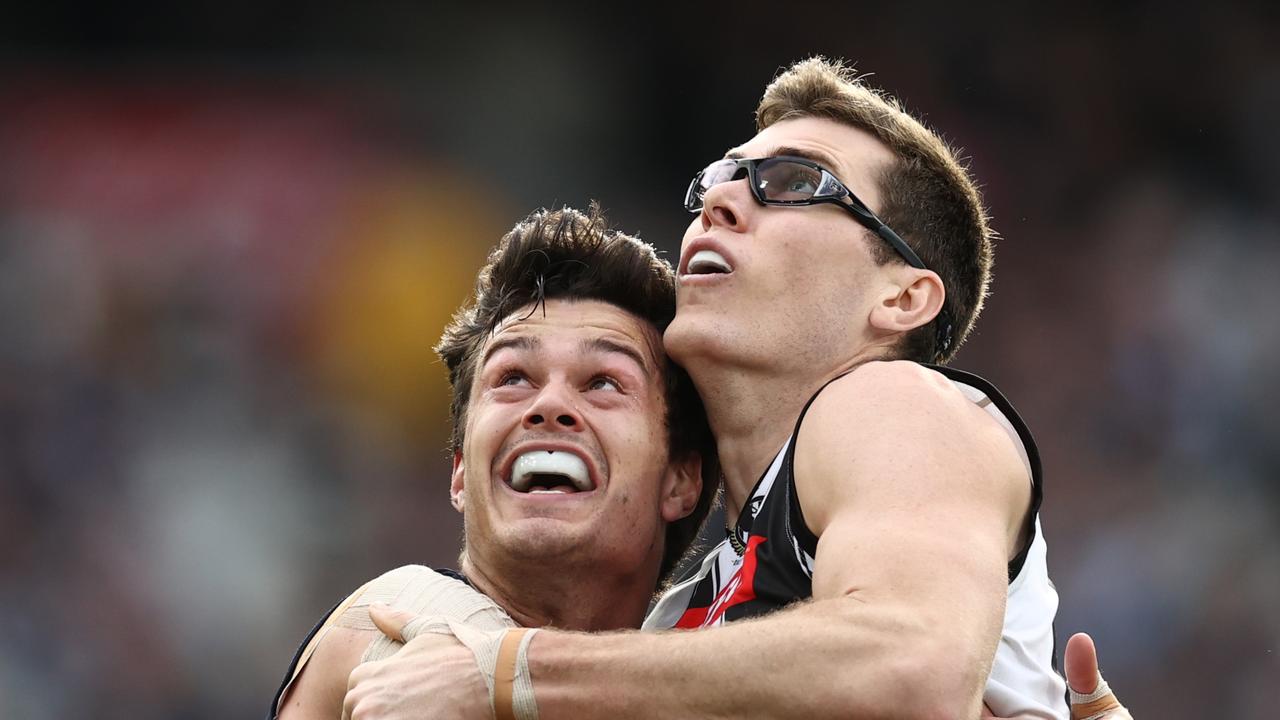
[[897, 531], [317, 691], [914, 498], [938, 564]]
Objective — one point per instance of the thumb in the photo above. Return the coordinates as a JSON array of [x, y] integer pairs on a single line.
[[392, 622], [1090, 697], [1082, 664]]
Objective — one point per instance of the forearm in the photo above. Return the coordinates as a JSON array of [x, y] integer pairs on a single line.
[[830, 658]]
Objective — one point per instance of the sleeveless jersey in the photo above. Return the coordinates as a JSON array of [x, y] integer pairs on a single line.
[[767, 562]]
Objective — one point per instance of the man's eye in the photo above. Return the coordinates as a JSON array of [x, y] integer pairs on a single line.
[[603, 383], [802, 183], [513, 379]]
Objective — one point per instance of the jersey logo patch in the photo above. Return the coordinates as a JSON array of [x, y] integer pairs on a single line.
[[737, 590]]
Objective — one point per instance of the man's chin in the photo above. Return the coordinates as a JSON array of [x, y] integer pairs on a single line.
[[698, 339], [546, 539], [687, 337]]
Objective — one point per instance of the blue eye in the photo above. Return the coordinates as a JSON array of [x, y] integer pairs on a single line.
[[512, 379], [788, 181], [801, 185], [604, 383]]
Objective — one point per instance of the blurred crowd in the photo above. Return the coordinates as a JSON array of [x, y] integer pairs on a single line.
[[222, 271]]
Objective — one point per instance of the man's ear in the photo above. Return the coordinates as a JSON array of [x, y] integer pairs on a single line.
[[681, 486], [912, 301], [457, 485]]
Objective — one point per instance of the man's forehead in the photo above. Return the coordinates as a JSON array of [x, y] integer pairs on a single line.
[[582, 324]]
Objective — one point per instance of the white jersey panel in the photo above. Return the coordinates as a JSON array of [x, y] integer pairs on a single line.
[[1022, 683]]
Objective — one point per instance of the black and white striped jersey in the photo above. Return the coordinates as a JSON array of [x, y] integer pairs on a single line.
[[767, 560]]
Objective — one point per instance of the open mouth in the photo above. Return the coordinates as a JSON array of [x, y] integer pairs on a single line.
[[708, 262], [550, 471]]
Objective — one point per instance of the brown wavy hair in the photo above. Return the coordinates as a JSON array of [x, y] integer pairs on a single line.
[[569, 254], [929, 198]]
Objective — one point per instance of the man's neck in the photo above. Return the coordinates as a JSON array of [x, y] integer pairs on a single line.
[[752, 413], [570, 598]]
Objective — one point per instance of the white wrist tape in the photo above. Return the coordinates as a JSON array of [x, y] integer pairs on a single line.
[[425, 592], [1098, 693], [446, 606], [1099, 704], [510, 687]]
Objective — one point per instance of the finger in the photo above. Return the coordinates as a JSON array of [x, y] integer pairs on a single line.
[[351, 697], [359, 672], [1082, 664], [1091, 699], [348, 704], [391, 622]]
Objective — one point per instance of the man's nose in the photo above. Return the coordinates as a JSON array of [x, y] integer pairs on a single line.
[[726, 205], [554, 409]]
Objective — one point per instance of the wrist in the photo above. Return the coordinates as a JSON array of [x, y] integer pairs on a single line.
[[581, 675], [513, 697]]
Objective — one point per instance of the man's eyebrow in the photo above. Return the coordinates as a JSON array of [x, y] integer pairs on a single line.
[[606, 345], [518, 342], [817, 156]]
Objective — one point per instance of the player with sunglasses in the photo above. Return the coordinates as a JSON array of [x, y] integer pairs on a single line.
[[884, 556], [796, 181]]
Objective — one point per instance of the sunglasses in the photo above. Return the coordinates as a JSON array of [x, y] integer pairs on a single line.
[[792, 182]]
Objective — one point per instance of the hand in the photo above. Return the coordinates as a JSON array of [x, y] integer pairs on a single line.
[[432, 676], [1083, 678]]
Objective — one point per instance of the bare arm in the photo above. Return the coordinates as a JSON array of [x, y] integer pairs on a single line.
[[916, 518], [317, 691], [917, 498], [348, 635]]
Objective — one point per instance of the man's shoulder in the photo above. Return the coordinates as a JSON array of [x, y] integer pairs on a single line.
[[890, 418], [315, 680], [892, 392], [347, 636]]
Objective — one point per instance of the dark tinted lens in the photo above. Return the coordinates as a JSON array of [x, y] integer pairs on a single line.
[[788, 181]]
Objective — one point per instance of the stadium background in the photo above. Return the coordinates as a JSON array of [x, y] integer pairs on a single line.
[[229, 237]]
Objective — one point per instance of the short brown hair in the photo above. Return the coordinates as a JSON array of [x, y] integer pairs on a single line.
[[929, 198], [568, 254]]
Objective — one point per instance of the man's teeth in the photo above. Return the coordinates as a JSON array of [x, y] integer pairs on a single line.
[[528, 473], [708, 261]]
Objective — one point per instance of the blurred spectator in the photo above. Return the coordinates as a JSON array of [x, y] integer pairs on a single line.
[[223, 263]]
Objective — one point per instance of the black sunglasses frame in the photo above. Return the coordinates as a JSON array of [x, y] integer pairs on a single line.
[[859, 209], [693, 201]]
